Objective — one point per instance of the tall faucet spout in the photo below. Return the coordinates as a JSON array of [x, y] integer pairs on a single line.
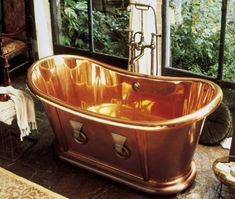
[[134, 66], [137, 44]]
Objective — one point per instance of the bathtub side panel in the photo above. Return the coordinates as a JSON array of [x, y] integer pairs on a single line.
[[170, 152], [99, 150], [54, 120]]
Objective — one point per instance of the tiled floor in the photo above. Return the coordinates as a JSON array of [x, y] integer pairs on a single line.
[[40, 165]]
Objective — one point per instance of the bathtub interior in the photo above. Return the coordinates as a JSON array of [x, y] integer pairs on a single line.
[[89, 85]]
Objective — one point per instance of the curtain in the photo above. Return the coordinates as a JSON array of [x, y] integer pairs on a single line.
[[148, 27]]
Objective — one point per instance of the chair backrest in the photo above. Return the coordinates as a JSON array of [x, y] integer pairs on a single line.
[[13, 14], [15, 24]]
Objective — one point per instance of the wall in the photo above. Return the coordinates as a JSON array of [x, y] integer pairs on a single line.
[[43, 28]]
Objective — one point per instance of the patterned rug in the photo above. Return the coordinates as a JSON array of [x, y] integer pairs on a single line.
[[16, 187]]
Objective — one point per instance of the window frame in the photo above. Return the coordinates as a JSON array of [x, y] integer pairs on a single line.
[[91, 53], [171, 71]]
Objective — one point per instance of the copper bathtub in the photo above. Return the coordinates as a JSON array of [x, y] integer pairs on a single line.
[[139, 130]]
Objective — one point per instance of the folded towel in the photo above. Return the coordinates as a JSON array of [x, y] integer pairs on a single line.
[[7, 112], [24, 108]]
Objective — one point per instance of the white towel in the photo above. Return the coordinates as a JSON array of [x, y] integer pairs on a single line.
[[24, 108], [7, 112]]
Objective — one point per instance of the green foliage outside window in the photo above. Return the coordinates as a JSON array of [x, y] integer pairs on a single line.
[[74, 24], [195, 38], [109, 37]]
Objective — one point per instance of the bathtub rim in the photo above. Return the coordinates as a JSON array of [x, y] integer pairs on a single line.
[[138, 125]]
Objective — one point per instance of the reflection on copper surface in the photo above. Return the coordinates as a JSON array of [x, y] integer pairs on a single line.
[[90, 86], [139, 130], [126, 112]]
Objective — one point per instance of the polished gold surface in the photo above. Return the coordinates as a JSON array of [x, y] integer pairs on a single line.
[[139, 130], [101, 90]]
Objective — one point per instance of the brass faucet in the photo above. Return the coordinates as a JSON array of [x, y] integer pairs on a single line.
[[137, 48]]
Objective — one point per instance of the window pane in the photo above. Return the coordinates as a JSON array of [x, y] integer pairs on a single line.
[[229, 53], [110, 19], [195, 34], [72, 23]]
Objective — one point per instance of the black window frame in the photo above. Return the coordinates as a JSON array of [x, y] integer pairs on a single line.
[[123, 62], [171, 71], [90, 53]]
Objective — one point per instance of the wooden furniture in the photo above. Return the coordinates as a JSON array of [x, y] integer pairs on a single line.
[[15, 37], [226, 187], [228, 182]]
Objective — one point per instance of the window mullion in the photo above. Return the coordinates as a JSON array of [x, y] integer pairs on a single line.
[[222, 40], [90, 26]]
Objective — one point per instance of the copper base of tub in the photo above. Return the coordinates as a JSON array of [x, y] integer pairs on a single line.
[[171, 186]]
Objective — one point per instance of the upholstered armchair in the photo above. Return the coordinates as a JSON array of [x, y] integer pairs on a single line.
[[15, 37]]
